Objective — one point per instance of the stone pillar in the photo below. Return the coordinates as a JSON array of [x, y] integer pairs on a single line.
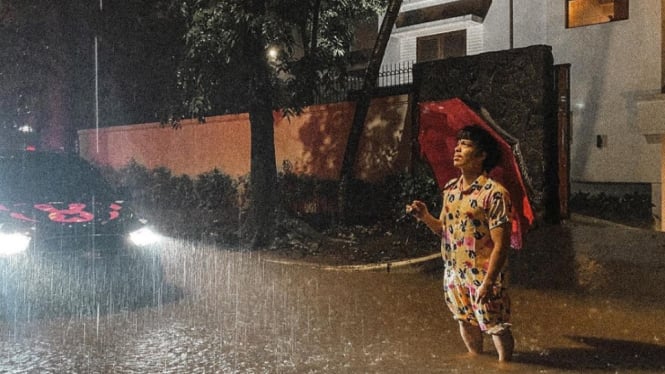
[[651, 124], [661, 215]]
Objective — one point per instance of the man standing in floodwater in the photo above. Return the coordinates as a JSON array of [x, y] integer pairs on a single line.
[[475, 227]]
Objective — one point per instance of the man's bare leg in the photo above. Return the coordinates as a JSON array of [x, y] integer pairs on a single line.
[[472, 336], [504, 344]]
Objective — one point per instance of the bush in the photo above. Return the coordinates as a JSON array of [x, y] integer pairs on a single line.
[[194, 208], [315, 200], [630, 209], [212, 204], [311, 199], [419, 185], [217, 206]]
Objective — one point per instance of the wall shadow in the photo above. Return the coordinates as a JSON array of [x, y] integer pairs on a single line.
[[323, 137], [384, 147]]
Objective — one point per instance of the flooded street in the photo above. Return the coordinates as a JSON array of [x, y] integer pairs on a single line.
[[236, 312]]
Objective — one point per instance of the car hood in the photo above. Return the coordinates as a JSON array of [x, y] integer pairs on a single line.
[[67, 213]]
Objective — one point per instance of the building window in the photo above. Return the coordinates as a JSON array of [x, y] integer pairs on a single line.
[[440, 46], [592, 12]]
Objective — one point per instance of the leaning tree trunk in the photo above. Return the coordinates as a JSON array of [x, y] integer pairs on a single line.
[[362, 106]]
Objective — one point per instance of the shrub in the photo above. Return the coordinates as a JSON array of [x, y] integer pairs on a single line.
[[418, 185], [315, 200], [311, 199], [212, 204], [194, 208], [632, 209], [217, 209]]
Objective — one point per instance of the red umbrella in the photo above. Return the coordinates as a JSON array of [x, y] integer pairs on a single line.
[[439, 123]]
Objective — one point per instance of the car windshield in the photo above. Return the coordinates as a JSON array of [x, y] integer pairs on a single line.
[[50, 177]]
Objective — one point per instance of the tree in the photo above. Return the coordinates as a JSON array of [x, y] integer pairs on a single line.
[[40, 48], [140, 44], [362, 104], [47, 79], [227, 69]]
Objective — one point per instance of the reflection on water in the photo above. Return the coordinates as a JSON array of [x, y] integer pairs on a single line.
[[240, 314]]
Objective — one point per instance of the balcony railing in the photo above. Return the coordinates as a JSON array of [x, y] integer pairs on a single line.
[[393, 75]]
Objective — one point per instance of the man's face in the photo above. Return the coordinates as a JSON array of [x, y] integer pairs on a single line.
[[468, 156]]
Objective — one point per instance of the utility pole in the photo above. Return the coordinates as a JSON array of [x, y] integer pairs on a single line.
[[97, 25]]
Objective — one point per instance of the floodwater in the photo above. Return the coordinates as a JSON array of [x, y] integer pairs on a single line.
[[236, 312]]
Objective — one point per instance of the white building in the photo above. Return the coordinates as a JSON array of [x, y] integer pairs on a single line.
[[615, 53]]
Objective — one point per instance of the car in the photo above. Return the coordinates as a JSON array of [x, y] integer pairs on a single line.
[[69, 241]]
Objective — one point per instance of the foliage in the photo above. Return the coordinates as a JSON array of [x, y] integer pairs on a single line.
[[226, 68], [315, 200], [39, 45], [417, 185], [309, 198], [203, 207], [211, 204], [632, 209], [140, 47], [228, 42], [48, 73], [367, 202]]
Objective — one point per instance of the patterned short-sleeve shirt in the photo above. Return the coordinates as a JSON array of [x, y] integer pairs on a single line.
[[468, 216]]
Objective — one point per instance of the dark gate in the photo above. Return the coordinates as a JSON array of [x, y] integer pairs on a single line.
[[562, 84]]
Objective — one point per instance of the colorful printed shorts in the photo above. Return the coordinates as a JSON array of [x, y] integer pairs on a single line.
[[492, 317]]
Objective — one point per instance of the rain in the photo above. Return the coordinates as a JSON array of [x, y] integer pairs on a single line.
[[197, 306], [229, 311]]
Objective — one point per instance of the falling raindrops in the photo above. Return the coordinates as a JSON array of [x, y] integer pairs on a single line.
[[230, 311]]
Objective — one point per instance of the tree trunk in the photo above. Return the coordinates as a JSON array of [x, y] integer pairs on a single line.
[[260, 224], [263, 179], [362, 106]]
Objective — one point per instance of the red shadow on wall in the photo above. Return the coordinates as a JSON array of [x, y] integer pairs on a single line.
[[439, 123]]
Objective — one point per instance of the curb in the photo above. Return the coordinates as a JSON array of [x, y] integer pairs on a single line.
[[379, 266], [575, 217]]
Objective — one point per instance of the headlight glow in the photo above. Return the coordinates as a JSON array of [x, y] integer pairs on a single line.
[[144, 236], [13, 243]]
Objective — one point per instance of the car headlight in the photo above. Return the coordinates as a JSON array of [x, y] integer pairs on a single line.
[[13, 243], [144, 236]]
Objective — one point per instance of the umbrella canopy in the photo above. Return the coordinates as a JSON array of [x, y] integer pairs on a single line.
[[439, 124]]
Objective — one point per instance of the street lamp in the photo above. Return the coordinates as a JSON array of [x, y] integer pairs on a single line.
[[272, 52]]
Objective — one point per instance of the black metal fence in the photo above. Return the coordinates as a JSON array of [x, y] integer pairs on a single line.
[[396, 74], [393, 75]]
